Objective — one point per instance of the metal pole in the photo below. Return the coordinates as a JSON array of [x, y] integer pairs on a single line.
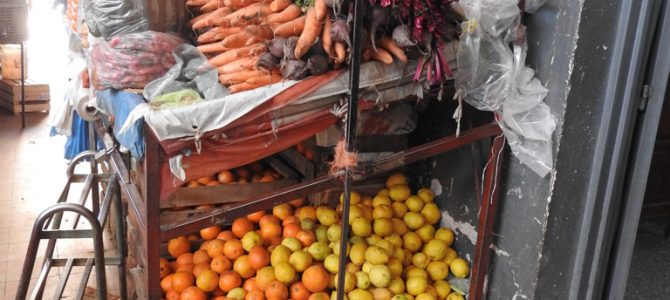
[[23, 90], [350, 137]]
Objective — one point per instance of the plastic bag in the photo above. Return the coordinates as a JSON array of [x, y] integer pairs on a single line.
[[109, 18], [532, 6], [166, 16], [190, 71], [132, 60]]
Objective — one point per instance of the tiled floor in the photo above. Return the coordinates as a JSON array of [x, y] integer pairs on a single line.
[[32, 176]]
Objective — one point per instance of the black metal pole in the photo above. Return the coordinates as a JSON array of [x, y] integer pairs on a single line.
[[350, 136], [23, 90]]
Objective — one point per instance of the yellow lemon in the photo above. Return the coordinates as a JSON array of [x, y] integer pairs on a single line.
[[382, 212], [279, 254], [395, 266], [237, 293], [336, 248], [292, 244], [386, 245], [380, 275], [446, 235], [399, 226], [367, 267], [373, 239], [352, 268], [459, 267], [334, 232], [360, 294], [437, 270], [395, 179], [399, 209], [381, 200], [361, 227], [331, 263], [251, 239], [414, 204], [397, 286], [284, 272], [321, 233], [420, 260], [431, 213], [382, 227], [349, 281], [362, 280], [426, 195], [381, 294], [435, 249], [357, 253], [399, 254], [376, 255], [395, 240], [450, 256], [402, 297], [319, 250], [354, 212], [426, 232], [366, 211], [411, 241], [414, 220], [413, 271], [455, 296], [326, 215], [424, 296], [357, 240], [354, 197], [300, 260], [416, 285], [442, 288], [383, 192], [399, 192]]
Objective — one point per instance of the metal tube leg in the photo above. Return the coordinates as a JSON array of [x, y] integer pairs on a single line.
[[120, 240], [99, 254], [23, 89], [29, 262]]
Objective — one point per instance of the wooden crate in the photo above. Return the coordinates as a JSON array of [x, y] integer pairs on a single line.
[[37, 96]]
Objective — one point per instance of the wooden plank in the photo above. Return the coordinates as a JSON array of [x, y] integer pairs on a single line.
[[15, 85], [16, 109], [299, 162], [152, 165], [10, 90], [222, 193], [30, 96]]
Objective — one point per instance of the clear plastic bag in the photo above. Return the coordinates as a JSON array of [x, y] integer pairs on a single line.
[[109, 18], [532, 6], [191, 71], [132, 60]]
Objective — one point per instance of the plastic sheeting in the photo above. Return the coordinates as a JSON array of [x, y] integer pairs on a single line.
[[492, 76], [119, 104], [108, 18]]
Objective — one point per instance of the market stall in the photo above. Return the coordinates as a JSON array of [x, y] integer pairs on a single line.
[[253, 105]]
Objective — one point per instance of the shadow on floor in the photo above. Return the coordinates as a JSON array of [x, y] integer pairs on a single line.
[[649, 276]]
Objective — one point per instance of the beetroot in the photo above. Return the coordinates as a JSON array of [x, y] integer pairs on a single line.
[[276, 46], [294, 69], [267, 61], [317, 64], [401, 36], [340, 32], [289, 47]]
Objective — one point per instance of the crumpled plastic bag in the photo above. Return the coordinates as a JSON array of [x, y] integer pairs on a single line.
[[109, 18], [190, 71], [175, 99], [492, 76]]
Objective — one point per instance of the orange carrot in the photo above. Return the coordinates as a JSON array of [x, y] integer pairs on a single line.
[[309, 34], [265, 80], [389, 45], [213, 18], [340, 53], [197, 18], [196, 2], [212, 5], [290, 13], [241, 87], [279, 5], [326, 37], [237, 4], [237, 40], [242, 76], [217, 34], [382, 56], [248, 12], [211, 48], [321, 9], [291, 28], [241, 64], [262, 32], [233, 54]]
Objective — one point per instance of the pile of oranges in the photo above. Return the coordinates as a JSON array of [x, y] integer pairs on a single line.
[[254, 172], [395, 252]]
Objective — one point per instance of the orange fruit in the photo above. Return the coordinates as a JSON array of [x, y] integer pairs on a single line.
[[216, 247], [298, 291], [271, 172], [220, 264], [225, 177], [204, 180], [243, 180], [207, 280], [258, 257], [181, 280], [217, 292], [264, 277], [198, 268], [282, 211], [241, 226], [193, 237], [250, 285], [291, 230], [193, 293], [171, 295], [185, 268], [272, 241], [256, 217], [306, 212], [256, 178], [297, 202], [315, 278], [306, 237], [213, 183], [276, 290], [166, 283], [309, 154], [226, 235], [243, 267], [243, 172], [319, 296], [221, 298], [233, 249], [229, 280], [165, 268], [270, 230], [210, 233], [192, 184], [268, 219], [178, 246], [201, 256], [291, 219], [174, 265], [267, 178], [186, 258], [255, 294], [204, 245]]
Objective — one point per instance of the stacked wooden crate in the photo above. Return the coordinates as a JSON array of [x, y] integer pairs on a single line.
[[37, 96]]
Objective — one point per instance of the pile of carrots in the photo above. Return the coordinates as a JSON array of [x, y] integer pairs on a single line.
[[254, 43]]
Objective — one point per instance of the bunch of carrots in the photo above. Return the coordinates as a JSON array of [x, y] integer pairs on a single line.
[[254, 43]]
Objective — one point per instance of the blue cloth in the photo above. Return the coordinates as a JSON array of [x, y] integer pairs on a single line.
[[78, 141], [119, 104]]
